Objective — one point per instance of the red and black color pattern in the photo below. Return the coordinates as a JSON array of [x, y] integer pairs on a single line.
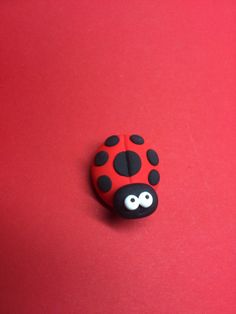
[[125, 176]]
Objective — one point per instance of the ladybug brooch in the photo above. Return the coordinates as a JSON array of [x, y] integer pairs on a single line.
[[124, 174]]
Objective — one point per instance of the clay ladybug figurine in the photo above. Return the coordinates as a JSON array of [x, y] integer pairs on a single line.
[[124, 174]]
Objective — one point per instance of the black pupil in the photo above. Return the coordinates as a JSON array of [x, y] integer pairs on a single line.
[[147, 196], [132, 200]]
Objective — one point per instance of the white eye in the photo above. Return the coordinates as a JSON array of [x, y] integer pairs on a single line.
[[145, 199], [131, 202]]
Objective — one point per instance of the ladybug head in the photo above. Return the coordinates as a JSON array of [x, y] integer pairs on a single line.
[[135, 200]]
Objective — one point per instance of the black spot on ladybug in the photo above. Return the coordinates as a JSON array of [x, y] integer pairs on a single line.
[[101, 158], [104, 183], [137, 139], [154, 177], [152, 157], [112, 140], [127, 163]]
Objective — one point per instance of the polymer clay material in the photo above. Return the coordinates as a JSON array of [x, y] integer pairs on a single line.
[[125, 175]]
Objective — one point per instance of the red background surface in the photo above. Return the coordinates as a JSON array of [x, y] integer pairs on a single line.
[[74, 72]]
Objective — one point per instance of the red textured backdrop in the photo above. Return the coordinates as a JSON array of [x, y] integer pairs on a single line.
[[74, 72]]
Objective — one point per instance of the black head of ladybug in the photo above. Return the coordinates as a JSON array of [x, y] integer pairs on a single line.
[[135, 200]]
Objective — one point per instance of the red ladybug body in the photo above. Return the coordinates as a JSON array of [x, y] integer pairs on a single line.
[[124, 174]]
